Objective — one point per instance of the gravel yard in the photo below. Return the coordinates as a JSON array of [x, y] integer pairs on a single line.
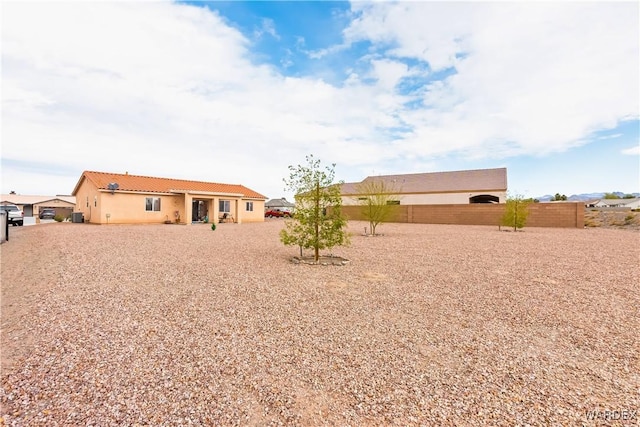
[[427, 325]]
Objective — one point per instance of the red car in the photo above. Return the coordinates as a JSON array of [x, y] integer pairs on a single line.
[[277, 214]]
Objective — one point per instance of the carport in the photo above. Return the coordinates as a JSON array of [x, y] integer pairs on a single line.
[[31, 205], [62, 208]]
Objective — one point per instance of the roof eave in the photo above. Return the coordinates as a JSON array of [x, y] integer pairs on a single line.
[[78, 184], [206, 193], [162, 193]]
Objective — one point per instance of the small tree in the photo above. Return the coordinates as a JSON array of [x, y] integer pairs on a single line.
[[611, 196], [377, 200], [559, 197], [516, 212], [318, 222]]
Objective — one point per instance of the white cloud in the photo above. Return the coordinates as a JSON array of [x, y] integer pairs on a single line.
[[389, 73], [169, 89], [616, 135], [431, 31], [632, 151], [529, 78], [268, 27]]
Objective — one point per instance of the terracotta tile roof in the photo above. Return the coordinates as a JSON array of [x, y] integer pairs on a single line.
[[148, 184], [440, 182]]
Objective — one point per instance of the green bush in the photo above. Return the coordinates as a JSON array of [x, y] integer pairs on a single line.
[[318, 223], [58, 218], [516, 212]]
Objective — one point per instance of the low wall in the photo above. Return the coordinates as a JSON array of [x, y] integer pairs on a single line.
[[561, 215]]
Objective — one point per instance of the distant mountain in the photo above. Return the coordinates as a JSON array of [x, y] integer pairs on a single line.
[[585, 196]]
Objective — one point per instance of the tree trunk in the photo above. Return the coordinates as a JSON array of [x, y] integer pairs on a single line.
[[317, 223]]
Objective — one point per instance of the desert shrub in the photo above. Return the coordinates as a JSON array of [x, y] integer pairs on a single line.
[[516, 212], [58, 218], [378, 200]]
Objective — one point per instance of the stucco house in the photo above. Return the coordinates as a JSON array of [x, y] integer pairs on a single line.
[[631, 203], [281, 204], [31, 205], [111, 198], [434, 188]]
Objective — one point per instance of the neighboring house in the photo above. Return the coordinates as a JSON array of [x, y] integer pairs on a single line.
[[615, 203], [632, 203], [457, 187], [111, 198], [280, 205], [31, 205]]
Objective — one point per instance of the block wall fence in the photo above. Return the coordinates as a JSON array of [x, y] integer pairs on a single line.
[[559, 215]]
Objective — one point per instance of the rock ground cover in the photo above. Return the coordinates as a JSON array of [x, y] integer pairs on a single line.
[[625, 220], [426, 325]]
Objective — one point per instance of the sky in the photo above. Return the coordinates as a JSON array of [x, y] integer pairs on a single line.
[[235, 92]]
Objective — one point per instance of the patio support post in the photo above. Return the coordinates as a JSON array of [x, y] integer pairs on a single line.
[[188, 209]]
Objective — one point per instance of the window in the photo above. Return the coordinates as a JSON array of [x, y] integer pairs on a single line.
[[152, 204], [224, 206], [249, 206]]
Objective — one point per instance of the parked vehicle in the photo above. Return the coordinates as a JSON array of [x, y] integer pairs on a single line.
[[47, 213], [277, 213], [14, 215]]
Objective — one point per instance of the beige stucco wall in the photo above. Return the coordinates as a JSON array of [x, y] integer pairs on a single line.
[[257, 215], [129, 208], [461, 198], [85, 197]]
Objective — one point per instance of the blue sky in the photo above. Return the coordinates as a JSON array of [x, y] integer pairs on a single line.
[[236, 91]]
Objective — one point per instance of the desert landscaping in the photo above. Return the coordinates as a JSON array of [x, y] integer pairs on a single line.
[[166, 325], [621, 220]]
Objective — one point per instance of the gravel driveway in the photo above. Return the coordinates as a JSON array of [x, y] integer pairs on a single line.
[[427, 325]]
